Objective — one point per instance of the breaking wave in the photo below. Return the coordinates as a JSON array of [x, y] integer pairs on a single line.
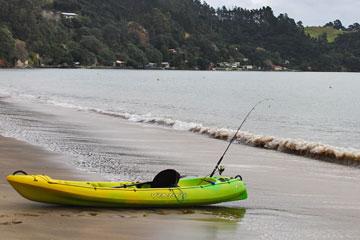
[[287, 145], [350, 157], [345, 156]]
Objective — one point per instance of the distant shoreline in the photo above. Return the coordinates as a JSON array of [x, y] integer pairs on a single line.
[[146, 69]]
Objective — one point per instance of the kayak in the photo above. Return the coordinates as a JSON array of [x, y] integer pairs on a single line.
[[189, 191]]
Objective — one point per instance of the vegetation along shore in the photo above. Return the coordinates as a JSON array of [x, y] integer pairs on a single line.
[[171, 34]]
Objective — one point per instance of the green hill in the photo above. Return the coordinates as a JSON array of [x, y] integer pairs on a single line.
[[186, 34], [330, 32]]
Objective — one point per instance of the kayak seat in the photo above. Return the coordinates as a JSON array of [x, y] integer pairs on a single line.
[[166, 179]]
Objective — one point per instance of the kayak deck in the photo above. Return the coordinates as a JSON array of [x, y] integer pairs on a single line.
[[189, 192]]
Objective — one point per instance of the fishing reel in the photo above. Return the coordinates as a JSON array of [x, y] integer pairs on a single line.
[[221, 169]]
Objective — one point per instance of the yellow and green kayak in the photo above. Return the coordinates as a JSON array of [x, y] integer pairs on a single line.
[[194, 191]]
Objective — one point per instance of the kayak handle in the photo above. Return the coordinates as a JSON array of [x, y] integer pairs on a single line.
[[19, 171], [239, 177]]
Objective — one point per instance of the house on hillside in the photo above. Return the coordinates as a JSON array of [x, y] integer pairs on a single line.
[[172, 50], [151, 65], [119, 63], [165, 65], [278, 68], [248, 67], [21, 64], [68, 15], [236, 66]]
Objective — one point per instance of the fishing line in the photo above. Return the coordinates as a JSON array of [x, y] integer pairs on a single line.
[[235, 135]]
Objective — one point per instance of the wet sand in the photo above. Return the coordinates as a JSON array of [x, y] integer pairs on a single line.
[[290, 197]]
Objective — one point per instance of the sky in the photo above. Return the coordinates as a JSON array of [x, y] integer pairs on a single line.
[[310, 12]]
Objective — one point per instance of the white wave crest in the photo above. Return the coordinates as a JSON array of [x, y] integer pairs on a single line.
[[287, 145]]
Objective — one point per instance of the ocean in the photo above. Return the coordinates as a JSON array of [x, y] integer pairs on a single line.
[[311, 114]]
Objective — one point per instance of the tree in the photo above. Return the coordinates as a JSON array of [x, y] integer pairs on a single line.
[[354, 27], [106, 57], [21, 52], [300, 24], [81, 55], [67, 5], [137, 57], [92, 44], [7, 45], [112, 35], [329, 24], [153, 55], [338, 25]]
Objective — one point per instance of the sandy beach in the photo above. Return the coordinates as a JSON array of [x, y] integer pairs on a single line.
[[22, 219]]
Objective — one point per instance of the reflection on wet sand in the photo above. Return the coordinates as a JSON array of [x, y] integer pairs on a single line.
[[206, 213], [218, 214], [210, 222]]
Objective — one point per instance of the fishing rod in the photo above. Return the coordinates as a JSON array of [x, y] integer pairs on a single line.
[[235, 135]]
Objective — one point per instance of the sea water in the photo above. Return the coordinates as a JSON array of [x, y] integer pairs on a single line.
[[311, 114]]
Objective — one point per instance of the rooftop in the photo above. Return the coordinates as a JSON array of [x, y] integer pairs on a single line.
[[68, 14]]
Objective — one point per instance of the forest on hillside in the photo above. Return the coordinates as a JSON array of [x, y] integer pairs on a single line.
[[186, 34]]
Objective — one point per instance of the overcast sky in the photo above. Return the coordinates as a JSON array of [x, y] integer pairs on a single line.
[[310, 12]]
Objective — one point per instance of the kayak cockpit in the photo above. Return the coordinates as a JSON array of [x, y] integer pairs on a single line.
[[183, 182]]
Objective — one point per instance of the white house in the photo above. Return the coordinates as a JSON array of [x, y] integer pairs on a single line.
[[165, 65], [67, 15], [248, 67]]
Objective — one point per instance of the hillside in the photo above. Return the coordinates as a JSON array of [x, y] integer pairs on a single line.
[[330, 32], [183, 34]]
